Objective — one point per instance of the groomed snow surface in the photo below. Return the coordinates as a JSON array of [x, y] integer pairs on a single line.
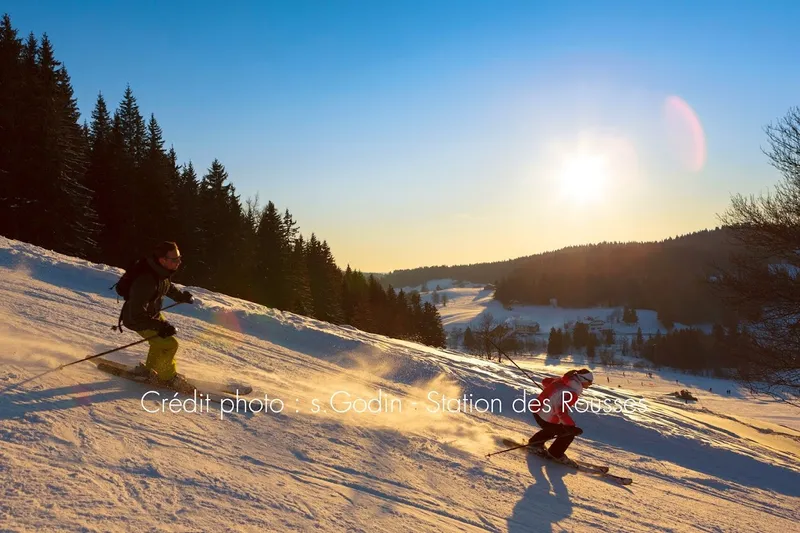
[[80, 451]]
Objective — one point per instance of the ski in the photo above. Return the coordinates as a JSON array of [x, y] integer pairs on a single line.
[[588, 468], [581, 464], [216, 392]]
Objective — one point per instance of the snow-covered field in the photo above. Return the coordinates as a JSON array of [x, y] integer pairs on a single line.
[[80, 451], [466, 304]]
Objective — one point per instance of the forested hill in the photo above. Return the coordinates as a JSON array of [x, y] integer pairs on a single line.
[[667, 276], [476, 273]]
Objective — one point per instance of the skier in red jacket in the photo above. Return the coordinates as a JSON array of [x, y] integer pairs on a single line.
[[551, 411]]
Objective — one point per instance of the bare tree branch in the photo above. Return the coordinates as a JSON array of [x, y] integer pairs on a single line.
[[762, 284]]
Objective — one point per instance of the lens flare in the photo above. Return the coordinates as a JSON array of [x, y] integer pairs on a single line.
[[685, 133], [228, 320], [223, 326]]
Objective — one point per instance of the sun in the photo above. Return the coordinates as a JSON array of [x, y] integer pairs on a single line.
[[583, 178]]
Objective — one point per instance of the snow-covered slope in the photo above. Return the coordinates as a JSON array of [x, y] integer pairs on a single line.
[[80, 451]]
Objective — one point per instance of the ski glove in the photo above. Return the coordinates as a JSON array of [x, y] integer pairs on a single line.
[[187, 297], [576, 431], [166, 330]]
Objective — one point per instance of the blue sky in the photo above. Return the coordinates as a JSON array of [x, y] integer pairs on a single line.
[[448, 132]]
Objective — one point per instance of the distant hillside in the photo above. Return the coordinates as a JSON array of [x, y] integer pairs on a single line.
[[491, 272], [667, 276], [476, 273]]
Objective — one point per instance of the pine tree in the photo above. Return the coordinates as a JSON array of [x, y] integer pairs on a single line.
[[157, 211], [432, 333], [580, 335], [273, 260], [378, 305], [626, 346], [187, 205], [566, 340], [132, 128], [290, 229], [629, 315], [301, 300], [325, 281], [238, 273], [414, 319], [356, 308], [12, 120], [24, 181], [54, 199], [591, 345], [127, 245], [554, 342], [110, 194], [401, 314], [100, 130], [219, 235], [349, 296], [390, 313], [469, 340], [131, 183], [248, 258]]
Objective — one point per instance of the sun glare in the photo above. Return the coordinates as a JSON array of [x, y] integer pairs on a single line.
[[583, 178], [590, 171]]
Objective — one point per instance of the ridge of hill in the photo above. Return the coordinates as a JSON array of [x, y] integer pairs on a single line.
[[491, 271]]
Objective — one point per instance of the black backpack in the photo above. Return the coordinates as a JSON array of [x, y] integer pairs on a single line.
[[133, 271], [123, 286]]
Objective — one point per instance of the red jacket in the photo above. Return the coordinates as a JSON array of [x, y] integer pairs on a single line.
[[554, 401]]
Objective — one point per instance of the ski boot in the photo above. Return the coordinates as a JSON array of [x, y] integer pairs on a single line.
[[536, 447], [147, 374], [564, 460], [179, 383]]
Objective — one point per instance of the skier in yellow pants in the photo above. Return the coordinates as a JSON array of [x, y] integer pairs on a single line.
[[161, 356], [144, 286]]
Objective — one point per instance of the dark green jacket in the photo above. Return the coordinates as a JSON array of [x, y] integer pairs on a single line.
[[143, 307]]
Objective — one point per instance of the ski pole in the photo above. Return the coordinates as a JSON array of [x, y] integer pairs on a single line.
[[515, 364], [105, 353], [118, 327], [11, 387], [506, 450]]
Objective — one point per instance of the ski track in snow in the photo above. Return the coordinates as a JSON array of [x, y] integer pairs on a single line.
[[78, 451]]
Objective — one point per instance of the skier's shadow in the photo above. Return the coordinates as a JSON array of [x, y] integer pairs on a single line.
[[19, 403], [25, 402], [545, 502]]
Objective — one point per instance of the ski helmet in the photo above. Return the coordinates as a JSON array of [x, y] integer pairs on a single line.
[[585, 376]]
